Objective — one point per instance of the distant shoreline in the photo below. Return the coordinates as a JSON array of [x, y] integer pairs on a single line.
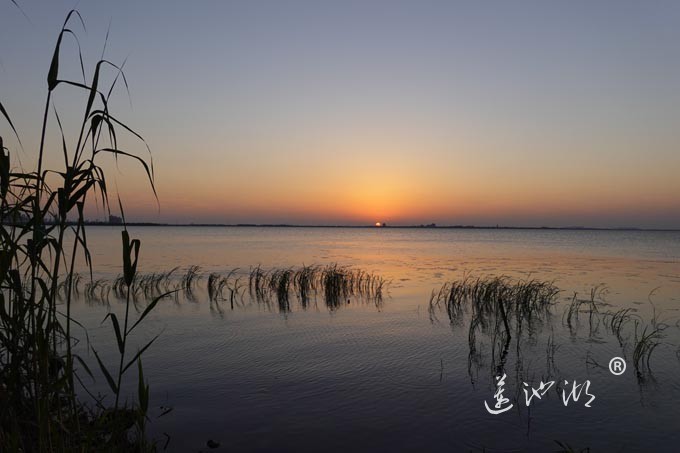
[[386, 227]]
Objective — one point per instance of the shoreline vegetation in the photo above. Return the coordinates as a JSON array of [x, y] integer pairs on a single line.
[[41, 375]]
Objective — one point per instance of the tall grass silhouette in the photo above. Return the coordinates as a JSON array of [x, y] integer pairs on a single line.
[[39, 209]]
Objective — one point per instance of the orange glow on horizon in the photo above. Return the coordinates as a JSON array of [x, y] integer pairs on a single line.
[[357, 182]]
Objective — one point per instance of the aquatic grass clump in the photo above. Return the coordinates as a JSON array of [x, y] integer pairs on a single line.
[[214, 287], [617, 321], [306, 284], [280, 282], [71, 282], [191, 278], [257, 283], [217, 285], [335, 283], [146, 285], [592, 304], [571, 312], [488, 297], [642, 340], [499, 308], [645, 344], [232, 282], [98, 290], [502, 309]]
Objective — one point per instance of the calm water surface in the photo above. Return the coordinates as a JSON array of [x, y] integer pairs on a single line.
[[392, 376]]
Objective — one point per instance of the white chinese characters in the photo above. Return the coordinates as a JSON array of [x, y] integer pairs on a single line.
[[573, 393]]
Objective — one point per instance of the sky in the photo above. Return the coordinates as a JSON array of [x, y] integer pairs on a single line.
[[522, 113]]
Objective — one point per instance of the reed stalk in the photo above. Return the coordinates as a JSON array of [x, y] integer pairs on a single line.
[[38, 372]]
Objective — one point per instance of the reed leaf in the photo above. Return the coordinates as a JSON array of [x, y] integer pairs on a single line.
[[105, 371]]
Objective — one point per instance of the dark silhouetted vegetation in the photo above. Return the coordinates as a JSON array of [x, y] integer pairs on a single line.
[[335, 285], [42, 232]]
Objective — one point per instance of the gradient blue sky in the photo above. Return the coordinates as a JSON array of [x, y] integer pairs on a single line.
[[319, 112]]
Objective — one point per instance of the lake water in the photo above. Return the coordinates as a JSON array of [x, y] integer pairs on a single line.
[[394, 375]]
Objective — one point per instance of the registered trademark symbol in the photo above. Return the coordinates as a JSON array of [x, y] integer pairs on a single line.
[[617, 366]]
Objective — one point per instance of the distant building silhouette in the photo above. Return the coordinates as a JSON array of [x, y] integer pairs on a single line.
[[115, 220]]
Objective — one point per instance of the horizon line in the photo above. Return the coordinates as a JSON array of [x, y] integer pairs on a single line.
[[382, 226]]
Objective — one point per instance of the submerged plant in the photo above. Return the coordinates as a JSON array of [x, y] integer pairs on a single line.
[[645, 343], [334, 284], [617, 321], [571, 313], [501, 310], [496, 297], [190, 278]]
